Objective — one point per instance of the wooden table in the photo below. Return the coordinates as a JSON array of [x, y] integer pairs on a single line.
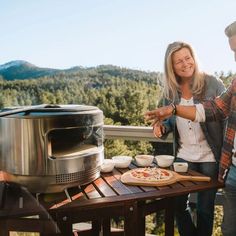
[[108, 197]]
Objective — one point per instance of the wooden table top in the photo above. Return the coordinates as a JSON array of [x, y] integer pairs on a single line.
[[103, 198], [108, 189]]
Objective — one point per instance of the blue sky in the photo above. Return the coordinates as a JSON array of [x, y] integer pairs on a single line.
[[126, 33]]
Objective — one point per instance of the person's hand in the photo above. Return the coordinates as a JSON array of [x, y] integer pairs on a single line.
[[159, 114], [4, 176], [158, 130]]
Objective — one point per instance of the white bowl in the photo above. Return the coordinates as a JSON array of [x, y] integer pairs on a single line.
[[144, 160], [107, 165], [164, 160], [180, 166], [122, 161]]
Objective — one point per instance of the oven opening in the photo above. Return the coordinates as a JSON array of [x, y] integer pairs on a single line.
[[71, 142]]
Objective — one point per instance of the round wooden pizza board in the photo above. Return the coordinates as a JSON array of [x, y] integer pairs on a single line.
[[127, 178]]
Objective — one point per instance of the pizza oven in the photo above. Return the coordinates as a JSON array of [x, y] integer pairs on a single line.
[[50, 148]]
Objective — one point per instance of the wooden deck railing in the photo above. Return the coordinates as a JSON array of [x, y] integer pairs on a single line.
[[133, 133]]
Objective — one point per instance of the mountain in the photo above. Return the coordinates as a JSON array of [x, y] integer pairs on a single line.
[[20, 69], [14, 63]]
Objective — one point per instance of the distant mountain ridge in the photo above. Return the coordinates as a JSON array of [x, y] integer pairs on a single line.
[[20, 70], [14, 63]]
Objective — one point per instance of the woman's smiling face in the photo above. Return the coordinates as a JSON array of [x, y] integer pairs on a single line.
[[183, 63]]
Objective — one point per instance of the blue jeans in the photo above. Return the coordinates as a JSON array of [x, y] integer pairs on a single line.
[[204, 206], [229, 204]]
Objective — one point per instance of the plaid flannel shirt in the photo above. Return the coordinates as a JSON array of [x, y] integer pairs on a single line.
[[224, 107]]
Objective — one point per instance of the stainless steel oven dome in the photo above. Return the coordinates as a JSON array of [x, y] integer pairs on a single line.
[[50, 148]]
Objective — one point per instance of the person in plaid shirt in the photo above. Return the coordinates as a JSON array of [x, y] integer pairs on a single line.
[[223, 107]]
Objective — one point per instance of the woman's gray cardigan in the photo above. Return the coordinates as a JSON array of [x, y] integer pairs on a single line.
[[213, 131]]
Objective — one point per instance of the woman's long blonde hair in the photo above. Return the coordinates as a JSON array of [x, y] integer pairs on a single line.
[[171, 81]]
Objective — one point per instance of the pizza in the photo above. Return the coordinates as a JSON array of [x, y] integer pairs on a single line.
[[151, 174]]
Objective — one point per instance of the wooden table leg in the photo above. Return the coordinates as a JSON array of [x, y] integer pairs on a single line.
[[64, 225], [3, 229], [106, 226], [96, 227], [169, 218], [131, 226], [141, 225]]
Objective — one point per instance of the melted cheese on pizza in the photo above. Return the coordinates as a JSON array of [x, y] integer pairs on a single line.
[[151, 174]]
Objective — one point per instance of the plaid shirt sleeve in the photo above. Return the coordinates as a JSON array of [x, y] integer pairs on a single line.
[[222, 107]]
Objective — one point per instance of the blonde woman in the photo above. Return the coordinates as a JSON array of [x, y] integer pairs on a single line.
[[199, 144]]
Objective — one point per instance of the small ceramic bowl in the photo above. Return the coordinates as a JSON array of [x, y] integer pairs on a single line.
[[180, 166], [107, 165], [164, 160], [144, 160], [122, 161]]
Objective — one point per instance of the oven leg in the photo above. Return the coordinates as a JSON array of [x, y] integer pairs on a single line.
[[67, 194]]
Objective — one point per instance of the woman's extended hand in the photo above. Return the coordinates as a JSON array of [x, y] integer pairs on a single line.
[[162, 113], [159, 114]]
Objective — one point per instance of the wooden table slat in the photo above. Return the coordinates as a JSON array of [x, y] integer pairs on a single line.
[[116, 185], [91, 192], [134, 189], [104, 188], [186, 183]]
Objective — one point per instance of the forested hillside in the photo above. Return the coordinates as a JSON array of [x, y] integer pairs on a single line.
[[123, 94]]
